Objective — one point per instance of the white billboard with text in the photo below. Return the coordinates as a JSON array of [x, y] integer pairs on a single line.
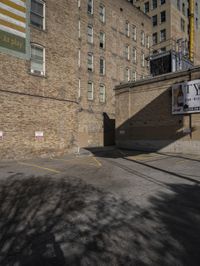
[[186, 97]]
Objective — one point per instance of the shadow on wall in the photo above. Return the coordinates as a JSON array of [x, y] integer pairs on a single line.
[[153, 127], [64, 221]]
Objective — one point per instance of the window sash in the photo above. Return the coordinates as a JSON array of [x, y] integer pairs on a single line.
[[134, 32], [90, 91], [102, 13], [102, 66], [142, 38], [127, 28], [37, 59], [37, 14], [90, 7], [134, 55], [90, 62], [102, 93], [127, 74], [102, 40], [90, 33]]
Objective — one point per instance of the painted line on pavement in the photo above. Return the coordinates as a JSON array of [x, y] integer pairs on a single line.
[[98, 163], [40, 167]]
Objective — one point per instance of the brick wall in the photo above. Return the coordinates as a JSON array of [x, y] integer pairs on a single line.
[[144, 120], [49, 103]]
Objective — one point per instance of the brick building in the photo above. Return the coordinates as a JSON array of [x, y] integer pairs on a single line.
[[114, 38], [60, 61], [176, 25], [38, 76]]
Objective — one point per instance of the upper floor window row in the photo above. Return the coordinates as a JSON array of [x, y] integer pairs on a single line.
[[102, 10], [37, 14], [154, 5]]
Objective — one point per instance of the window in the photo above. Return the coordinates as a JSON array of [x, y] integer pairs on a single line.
[[162, 2], [102, 66], [102, 40], [37, 59], [183, 8], [142, 60], [182, 24], [127, 29], [102, 13], [134, 32], [79, 28], [163, 49], [79, 88], [37, 14], [148, 41], [142, 38], [148, 64], [146, 7], [163, 16], [90, 7], [127, 52], [134, 75], [79, 57], [154, 4], [163, 35], [155, 38], [155, 20], [90, 92], [90, 62], [134, 55], [79, 3], [127, 74], [178, 4], [102, 93], [90, 33]]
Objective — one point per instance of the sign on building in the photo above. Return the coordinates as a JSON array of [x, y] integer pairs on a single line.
[[14, 34], [39, 135], [186, 97]]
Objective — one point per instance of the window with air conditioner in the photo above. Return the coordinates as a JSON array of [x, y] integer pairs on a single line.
[[37, 59]]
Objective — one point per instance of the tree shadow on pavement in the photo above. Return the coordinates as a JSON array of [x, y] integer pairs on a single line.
[[64, 221]]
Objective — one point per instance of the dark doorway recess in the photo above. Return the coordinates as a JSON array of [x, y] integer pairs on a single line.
[[109, 130]]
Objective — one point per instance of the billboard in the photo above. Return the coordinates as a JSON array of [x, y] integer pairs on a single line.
[[14, 35], [186, 97]]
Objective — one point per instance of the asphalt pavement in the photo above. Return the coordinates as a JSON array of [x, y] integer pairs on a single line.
[[101, 207]]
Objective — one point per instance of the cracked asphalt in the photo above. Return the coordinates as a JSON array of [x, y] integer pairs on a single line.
[[102, 207]]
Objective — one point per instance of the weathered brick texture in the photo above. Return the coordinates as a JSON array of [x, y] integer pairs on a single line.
[[21, 114], [144, 118]]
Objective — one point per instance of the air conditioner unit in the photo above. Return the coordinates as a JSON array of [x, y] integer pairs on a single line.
[[41, 73]]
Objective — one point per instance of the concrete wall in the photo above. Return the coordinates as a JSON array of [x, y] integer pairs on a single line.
[[144, 120], [47, 103]]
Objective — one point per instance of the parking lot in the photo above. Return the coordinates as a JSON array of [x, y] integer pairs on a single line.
[[101, 207]]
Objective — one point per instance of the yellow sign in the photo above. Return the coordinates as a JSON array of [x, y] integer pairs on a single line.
[[13, 25]]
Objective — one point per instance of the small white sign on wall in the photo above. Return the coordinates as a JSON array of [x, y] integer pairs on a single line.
[[1, 135], [39, 135]]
